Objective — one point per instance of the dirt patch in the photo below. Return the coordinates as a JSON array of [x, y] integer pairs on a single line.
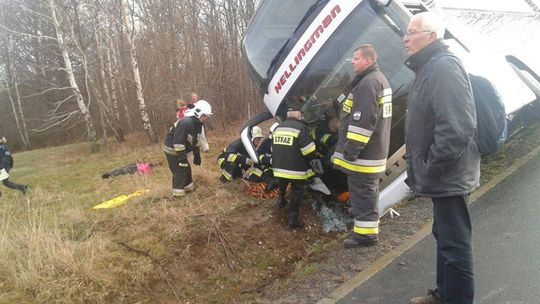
[[327, 270], [246, 254]]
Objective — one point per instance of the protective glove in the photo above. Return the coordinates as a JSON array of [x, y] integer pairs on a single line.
[[197, 159]]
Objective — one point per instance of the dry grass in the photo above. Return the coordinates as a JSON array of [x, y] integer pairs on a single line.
[[56, 249]]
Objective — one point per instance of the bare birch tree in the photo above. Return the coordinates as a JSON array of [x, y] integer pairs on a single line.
[[130, 31], [76, 93]]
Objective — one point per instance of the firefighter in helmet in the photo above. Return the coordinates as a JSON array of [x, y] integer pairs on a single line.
[[262, 172], [182, 139], [234, 161]]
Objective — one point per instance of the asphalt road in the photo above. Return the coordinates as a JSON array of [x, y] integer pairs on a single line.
[[506, 249]]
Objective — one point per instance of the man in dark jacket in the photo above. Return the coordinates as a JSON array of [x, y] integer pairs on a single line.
[[443, 161], [362, 149], [292, 150], [6, 163], [182, 139]]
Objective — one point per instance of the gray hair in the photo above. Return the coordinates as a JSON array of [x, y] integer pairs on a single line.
[[432, 22]]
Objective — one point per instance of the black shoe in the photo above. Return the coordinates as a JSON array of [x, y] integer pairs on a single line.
[[356, 240], [433, 297], [223, 179], [295, 224]]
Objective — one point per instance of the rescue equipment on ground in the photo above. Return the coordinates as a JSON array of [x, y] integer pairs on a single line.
[[119, 200]]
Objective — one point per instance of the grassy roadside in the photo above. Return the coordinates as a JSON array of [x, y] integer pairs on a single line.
[[56, 248], [215, 246]]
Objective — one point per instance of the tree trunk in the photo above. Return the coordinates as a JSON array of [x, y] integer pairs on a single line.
[[108, 106], [90, 130], [12, 81], [137, 78]]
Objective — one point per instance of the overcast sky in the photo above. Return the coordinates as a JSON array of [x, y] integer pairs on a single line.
[[504, 5]]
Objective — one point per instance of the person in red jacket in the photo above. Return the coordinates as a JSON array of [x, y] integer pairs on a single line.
[[181, 108]]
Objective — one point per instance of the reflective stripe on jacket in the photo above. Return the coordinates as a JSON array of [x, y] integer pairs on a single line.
[[365, 122], [235, 152], [182, 136], [292, 149]]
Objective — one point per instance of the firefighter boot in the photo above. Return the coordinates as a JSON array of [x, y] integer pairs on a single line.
[[294, 223], [433, 297], [359, 240], [282, 201]]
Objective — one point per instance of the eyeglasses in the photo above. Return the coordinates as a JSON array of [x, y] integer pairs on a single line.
[[412, 33]]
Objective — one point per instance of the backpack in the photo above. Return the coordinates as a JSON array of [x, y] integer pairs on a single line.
[[492, 126], [491, 122]]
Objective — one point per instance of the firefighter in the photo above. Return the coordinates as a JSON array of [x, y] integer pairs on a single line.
[[262, 172], [362, 149], [6, 163], [235, 160], [292, 150], [181, 140]]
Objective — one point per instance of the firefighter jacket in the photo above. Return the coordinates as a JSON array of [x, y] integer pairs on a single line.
[[264, 151], [292, 149], [182, 137], [6, 160], [235, 153], [322, 136], [442, 155], [364, 126]]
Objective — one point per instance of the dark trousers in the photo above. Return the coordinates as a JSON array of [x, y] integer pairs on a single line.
[[181, 175], [452, 230], [11, 185], [297, 192], [364, 196]]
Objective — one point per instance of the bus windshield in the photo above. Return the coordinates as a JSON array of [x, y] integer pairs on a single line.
[[272, 26], [330, 74]]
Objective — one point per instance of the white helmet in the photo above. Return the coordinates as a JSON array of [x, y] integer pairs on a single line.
[[202, 107], [273, 127], [256, 132], [2, 140]]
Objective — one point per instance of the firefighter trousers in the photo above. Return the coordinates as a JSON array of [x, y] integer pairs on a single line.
[[181, 173], [297, 192], [364, 197]]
